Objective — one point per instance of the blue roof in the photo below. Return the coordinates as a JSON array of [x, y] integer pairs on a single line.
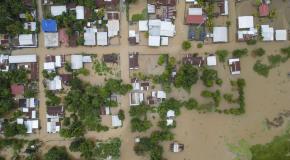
[[49, 25]]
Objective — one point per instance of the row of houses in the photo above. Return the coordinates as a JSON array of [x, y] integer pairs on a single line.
[[28, 106]]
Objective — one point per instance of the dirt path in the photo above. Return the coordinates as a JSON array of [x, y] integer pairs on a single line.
[[203, 135]]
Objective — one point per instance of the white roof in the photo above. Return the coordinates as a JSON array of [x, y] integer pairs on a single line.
[[136, 98], [267, 33], [170, 114], [30, 125], [136, 86], [226, 8], [107, 109], [195, 11], [211, 60], [151, 8], [30, 102], [143, 26], [76, 61], [132, 33], [169, 122], [25, 110], [31, 24], [154, 22], [246, 22], [51, 126], [23, 59], [87, 59], [80, 11], [164, 41], [57, 61], [90, 38], [33, 114], [116, 122], [113, 27], [49, 66], [190, 0], [102, 38], [281, 35], [161, 95], [20, 121], [54, 84], [51, 39], [25, 39], [154, 41], [167, 29], [57, 10], [220, 34]]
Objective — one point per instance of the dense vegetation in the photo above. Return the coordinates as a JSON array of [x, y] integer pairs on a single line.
[[187, 75], [85, 100], [139, 121], [96, 150], [10, 22], [57, 153]]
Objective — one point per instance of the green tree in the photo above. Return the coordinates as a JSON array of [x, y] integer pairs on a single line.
[[209, 76], [186, 45], [57, 153], [239, 53], [186, 76], [191, 104], [138, 125], [261, 69], [121, 115], [13, 129], [222, 55], [259, 52]]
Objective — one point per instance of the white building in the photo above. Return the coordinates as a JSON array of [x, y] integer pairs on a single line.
[[51, 39], [235, 67], [267, 33], [80, 12], [143, 26], [136, 98], [220, 34], [57, 10], [281, 35], [23, 59], [246, 22], [113, 28], [116, 122], [27, 40], [54, 84], [211, 61], [76, 61], [102, 38]]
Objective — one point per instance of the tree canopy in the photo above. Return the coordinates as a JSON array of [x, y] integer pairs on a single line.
[[186, 76], [57, 153]]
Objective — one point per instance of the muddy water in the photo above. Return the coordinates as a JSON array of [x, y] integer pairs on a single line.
[[204, 135]]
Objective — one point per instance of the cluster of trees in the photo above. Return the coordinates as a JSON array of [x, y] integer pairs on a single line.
[[57, 153], [216, 96], [186, 76], [100, 150], [7, 103], [165, 79], [139, 121], [85, 100], [52, 99], [273, 60], [152, 145], [240, 84], [10, 22], [13, 143], [101, 68], [222, 55], [209, 77]]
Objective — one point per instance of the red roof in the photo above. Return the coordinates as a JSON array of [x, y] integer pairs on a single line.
[[195, 19], [17, 89], [264, 10]]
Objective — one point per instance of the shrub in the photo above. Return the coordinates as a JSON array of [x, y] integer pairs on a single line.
[[162, 59], [199, 45], [186, 45], [259, 52], [261, 69], [206, 94], [251, 42], [191, 104], [121, 115], [274, 60], [238, 53], [222, 55], [219, 81]]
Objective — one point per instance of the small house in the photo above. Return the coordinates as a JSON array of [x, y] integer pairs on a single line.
[[51, 40], [281, 35], [17, 89], [264, 10], [134, 61], [116, 122], [27, 40], [49, 25], [57, 10], [54, 84], [220, 34], [55, 112], [80, 12], [235, 66], [211, 60], [136, 98], [193, 60], [267, 33], [102, 38]]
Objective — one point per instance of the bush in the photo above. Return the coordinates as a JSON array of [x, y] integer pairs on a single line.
[[261, 69], [229, 98], [251, 42], [56, 153], [140, 125], [206, 94], [259, 52], [274, 60], [186, 45], [162, 59], [219, 81], [222, 55], [121, 115], [191, 104], [199, 45], [239, 53], [209, 76]]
